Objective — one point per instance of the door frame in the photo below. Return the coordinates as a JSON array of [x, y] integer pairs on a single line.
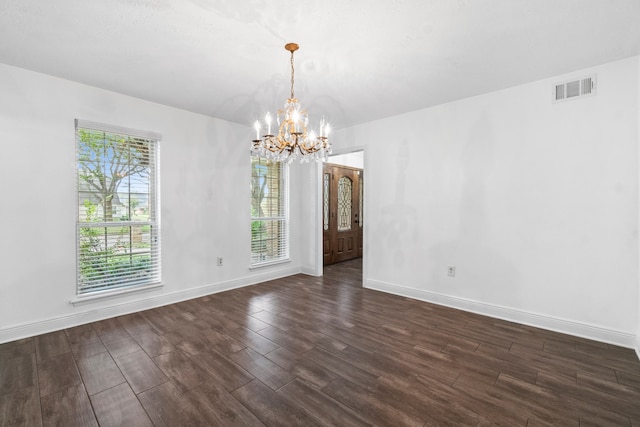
[[320, 205]]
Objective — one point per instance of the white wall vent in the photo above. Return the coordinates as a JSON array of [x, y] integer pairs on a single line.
[[574, 89]]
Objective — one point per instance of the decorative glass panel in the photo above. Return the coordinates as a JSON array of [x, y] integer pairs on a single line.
[[344, 204], [361, 207], [326, 201]]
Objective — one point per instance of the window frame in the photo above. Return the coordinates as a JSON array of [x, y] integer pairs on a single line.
[[146, 274], [282, 218]]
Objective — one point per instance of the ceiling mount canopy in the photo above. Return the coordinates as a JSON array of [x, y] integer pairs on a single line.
[[293, 139], [291, 47]]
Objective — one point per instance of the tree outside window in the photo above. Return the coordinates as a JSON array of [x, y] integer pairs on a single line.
[[118, 243]]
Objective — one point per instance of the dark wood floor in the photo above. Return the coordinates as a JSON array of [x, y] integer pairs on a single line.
[[314, 351]]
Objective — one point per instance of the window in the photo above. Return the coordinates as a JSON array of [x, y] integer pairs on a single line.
[[117, 242], [269, 211]]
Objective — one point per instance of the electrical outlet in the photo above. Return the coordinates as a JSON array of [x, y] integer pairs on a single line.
[[451, 270], [219, 261]]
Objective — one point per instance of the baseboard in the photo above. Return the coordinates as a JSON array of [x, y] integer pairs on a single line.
[[518, 316], [119, 307], [311, 271]]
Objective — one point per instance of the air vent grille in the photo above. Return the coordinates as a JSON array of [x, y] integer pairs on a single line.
[[574, 89]]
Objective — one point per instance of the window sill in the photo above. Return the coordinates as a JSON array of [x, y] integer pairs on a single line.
[[79, 300], [269, 264]]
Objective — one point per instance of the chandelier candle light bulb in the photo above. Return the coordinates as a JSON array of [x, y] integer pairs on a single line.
[[292, 140], [267, 119]]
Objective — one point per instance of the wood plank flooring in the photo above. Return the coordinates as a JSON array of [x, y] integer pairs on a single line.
[[307, 351]]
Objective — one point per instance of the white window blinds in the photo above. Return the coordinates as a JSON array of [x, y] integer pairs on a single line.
[[118, 234], [269, 211]]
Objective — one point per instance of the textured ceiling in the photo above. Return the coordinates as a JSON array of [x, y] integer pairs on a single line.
[[358, 60]]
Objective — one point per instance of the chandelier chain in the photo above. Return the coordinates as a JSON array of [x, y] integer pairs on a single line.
[[292, 72]]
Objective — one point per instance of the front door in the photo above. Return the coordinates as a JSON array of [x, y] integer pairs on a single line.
[[342, 213]]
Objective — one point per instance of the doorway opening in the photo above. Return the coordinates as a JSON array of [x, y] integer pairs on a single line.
[[343, 208]]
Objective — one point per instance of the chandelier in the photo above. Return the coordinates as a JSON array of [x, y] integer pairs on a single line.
[[293, 139]]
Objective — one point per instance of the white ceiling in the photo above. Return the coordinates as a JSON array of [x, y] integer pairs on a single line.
[[359, 60]]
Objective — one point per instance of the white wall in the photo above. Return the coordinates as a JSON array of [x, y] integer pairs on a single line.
[[638, 139], [354, 159], [310, 204], [204, 174], [535, 203]]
